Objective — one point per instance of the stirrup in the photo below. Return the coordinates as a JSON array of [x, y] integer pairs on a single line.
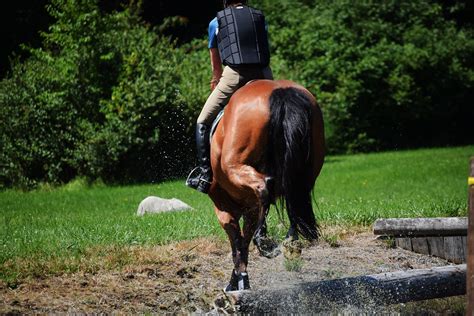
[[197, 182]]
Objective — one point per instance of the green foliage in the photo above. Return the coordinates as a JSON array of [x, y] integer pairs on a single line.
[[100, 99], [38, 123], [109, 97], [143, 128], [293, 265], [388, 75], [195, 73]]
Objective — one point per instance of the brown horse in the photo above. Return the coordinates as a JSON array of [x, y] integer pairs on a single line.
[[269, 144]]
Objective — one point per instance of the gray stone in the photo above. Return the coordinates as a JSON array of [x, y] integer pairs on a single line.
[[153, 204]]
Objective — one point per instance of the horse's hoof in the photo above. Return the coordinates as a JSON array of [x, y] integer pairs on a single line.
[[238, 282], [292, 248], [267, 247], [271, 253]]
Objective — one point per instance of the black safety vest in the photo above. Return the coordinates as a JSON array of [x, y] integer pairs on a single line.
[[242, 37]]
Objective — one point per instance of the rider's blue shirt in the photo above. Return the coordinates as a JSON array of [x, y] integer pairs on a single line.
[[213, 26], [214, 29]]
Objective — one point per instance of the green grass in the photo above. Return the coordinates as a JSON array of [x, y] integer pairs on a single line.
[[358, 189], [293, 265], [55, 224], [61, 224]]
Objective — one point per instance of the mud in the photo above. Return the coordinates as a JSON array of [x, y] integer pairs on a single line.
[[188, 277]]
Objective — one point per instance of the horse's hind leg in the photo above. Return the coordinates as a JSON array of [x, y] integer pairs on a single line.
[[266, 246], [265, 198], [292, 233]]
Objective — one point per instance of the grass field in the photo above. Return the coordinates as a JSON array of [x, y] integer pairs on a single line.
[[56, 230]]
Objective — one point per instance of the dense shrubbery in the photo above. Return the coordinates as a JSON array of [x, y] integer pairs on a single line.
[[100, 100], [392, 75], [108, 97]]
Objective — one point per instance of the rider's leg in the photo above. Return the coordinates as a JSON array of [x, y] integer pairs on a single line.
[[230, 81], [204, 159], [228, 84]]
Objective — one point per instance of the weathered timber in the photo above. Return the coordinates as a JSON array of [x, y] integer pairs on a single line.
[[454, 250], [404, 243], [420, 245], [451, 248], [470, 243], [366, 292], [441, 237], [436, 246], [409, 227]]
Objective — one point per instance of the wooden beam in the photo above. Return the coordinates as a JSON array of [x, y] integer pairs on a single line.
[[404, 243], [362, 292], [470, 243], [454, 249], [451, 248], [407, 227]]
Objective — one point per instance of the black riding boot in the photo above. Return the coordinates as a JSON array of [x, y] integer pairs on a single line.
[[200, 177]]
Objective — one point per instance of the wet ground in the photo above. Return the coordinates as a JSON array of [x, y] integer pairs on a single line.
[[188, 277]]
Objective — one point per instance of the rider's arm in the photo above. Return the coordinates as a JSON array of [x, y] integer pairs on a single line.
[[216, 67], [214, 53]]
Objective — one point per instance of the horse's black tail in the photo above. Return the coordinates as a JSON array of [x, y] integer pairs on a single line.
[[289, 156]]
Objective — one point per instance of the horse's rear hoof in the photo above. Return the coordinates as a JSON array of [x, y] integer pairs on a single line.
[[292, 248], [267, 247]]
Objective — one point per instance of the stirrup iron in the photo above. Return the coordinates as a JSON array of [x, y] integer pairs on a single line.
[[196, 181]]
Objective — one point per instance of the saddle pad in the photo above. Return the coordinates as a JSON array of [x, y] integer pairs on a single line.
[[216, 122]]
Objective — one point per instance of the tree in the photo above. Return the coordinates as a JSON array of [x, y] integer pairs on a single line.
[[395, 74]]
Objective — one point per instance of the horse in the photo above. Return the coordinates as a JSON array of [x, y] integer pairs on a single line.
[[269, 146]]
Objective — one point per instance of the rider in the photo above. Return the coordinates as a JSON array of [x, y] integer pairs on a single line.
[[238, 39]]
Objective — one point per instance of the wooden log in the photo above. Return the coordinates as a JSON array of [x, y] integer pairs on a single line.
[[453, 249], [436, 246], [404, 243], [470, 243], [408, 227], [364, 292], [420, 245]]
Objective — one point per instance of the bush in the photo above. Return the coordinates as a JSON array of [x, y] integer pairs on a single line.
[[143, 131], [388, 75], [100, 100], [39, 125]]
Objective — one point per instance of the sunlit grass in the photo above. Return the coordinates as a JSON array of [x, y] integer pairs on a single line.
[[50, 224], [63, 224], [358, 189]]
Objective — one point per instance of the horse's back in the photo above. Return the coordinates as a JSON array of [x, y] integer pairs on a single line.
[[249, 107]]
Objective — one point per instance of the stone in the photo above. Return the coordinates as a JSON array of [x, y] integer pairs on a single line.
[[153, 204]]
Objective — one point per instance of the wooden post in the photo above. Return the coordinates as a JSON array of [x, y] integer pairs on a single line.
[[470, 244]]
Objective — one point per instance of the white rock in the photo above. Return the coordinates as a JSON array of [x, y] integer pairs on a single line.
[[153, 204]]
